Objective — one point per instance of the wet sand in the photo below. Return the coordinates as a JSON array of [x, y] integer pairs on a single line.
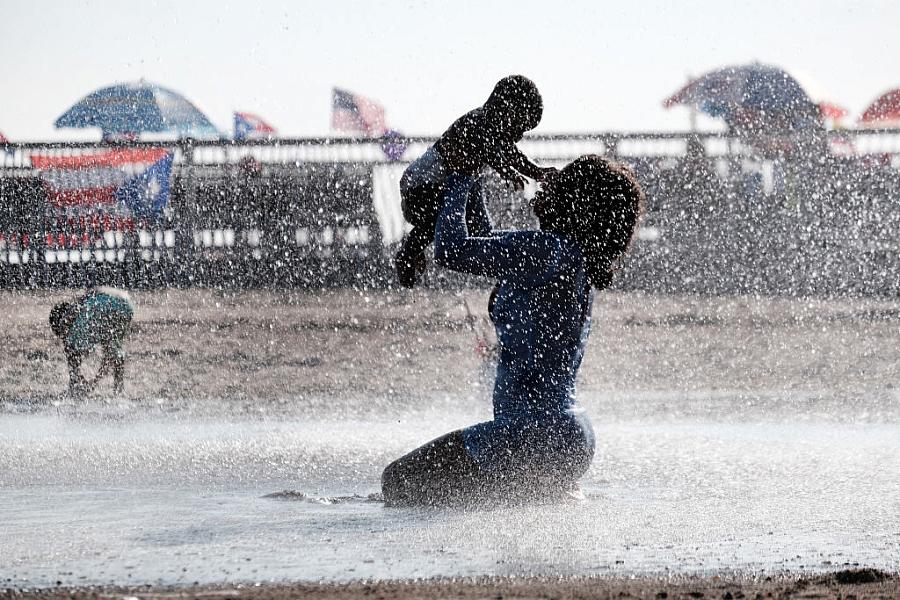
[[279, 350], [359, 354], [861, 584]]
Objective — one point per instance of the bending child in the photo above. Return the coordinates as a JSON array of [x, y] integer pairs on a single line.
[[484, 137], [100, 317]]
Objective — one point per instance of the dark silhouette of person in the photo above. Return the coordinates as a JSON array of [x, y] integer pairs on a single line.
[[481, 138], [540, 441]]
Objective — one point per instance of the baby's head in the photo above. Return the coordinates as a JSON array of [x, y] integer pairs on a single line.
[[515, 105]]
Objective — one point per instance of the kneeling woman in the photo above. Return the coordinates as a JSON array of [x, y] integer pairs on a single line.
[[540, 442]]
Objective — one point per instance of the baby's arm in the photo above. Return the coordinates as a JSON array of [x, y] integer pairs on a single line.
[[509, 159], [477, 218]]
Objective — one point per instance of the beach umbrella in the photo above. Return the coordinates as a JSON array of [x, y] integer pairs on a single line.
[[750, 97], [127, 109], [884, 111], [833, 111]]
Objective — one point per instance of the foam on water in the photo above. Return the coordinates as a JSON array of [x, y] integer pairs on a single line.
[[143, 499]]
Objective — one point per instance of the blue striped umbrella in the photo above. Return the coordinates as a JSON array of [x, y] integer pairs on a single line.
[[132, 108]]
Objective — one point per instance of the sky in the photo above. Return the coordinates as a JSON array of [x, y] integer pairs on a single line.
[[600, 66]]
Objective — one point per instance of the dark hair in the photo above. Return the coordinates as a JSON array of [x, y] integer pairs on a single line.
[[61, 318], [516, 102], [598, 203]]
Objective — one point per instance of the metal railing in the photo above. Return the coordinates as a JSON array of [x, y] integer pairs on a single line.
[[319, 211]]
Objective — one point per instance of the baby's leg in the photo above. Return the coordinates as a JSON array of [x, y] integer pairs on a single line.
[[421, 206], [410, 260]]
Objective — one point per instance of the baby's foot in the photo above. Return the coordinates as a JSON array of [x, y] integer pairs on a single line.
[[409, 269]]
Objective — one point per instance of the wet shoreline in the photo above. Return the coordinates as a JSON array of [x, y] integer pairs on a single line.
[[173, 502], [857, 583], [735, 435]]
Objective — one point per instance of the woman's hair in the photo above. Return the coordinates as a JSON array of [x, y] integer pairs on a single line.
[[597, 202]]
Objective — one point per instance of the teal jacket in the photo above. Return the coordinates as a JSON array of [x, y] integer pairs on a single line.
[[102, 318]]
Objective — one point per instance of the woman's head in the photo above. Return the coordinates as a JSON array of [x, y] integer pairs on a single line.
[[597, 203], [515, 105]]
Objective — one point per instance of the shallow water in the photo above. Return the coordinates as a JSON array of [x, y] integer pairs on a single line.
[[713, 482]]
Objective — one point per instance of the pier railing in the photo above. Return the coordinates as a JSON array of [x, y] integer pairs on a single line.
[[770, 215]]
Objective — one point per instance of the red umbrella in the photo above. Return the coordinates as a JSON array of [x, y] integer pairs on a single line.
[[3, 139], [832, 111], [884, 111]]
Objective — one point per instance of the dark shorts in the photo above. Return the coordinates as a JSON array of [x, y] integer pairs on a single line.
[[421, 205]]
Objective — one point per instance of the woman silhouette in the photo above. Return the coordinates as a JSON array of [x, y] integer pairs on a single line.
[[540, 441]]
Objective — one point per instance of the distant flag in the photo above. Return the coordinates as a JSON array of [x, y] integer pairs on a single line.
[[250, 126], [7, 150], [352, 112], [134, 179]]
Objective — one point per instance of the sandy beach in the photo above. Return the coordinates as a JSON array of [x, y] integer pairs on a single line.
[[253, 348], [860, 584], [699, 402]]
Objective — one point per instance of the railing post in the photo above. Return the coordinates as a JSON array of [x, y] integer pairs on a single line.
[[185, 255]]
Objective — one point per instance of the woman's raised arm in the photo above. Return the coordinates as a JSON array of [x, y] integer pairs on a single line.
[[530, 256]]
